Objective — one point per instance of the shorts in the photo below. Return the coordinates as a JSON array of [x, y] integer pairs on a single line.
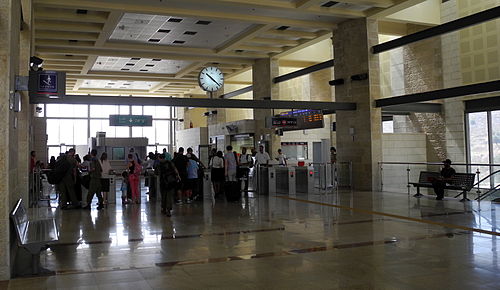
[[105, 184], [231, 175]]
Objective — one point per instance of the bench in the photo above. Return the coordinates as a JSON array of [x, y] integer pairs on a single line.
[[33, 235], [459, 181]]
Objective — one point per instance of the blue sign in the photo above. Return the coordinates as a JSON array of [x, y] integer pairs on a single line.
[[131, 120], [47, 82]]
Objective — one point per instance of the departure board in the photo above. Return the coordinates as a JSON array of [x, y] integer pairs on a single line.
[[306, 119]]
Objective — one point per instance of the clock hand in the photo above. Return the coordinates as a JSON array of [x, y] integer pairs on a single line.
[[213, 79]]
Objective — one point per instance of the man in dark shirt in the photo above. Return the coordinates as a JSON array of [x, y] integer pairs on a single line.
[[181, 161], [447, 173]]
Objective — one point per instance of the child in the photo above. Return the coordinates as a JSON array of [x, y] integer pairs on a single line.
[[125, 186]]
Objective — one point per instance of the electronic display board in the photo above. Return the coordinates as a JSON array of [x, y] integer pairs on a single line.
[[306, 119]]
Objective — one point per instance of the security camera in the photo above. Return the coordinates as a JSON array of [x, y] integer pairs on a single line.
[[38, 110], [35, 63]]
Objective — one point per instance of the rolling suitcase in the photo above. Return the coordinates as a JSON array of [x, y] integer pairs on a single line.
[[232, 190]]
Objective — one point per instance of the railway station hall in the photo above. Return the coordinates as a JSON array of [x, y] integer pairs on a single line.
[[249, 144]]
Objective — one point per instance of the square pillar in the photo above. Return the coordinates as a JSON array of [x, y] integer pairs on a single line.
[[359, 133]]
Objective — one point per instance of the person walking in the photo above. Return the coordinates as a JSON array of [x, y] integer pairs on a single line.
[[217, 172], [95, 181], [192, 177], [106, 170], [67, 185], [231, 164], [134, 169], [281, 158], [246, 162], [181, 162], [168, 177]]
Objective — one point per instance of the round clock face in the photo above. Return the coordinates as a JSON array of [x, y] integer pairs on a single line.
[[211, 79]]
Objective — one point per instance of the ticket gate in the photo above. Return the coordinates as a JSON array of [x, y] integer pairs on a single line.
[[207, 183], [285, 180]]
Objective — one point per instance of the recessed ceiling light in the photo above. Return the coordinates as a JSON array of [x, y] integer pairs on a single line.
[[203, 22], [154, 40], [190, 32], [178, 41], [177, 20], [329, 4], [124, 69], [163, 30], [81, 11], [156, 59], [143, 70], [135, 58], [150, 65], [130, 64], [73, 40], [284, 27]]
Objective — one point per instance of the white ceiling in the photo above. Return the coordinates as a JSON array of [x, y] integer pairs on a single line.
[[142, 65], [142, 28]]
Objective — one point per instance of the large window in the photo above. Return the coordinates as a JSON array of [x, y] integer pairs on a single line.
[[484, 144], [72, 125]]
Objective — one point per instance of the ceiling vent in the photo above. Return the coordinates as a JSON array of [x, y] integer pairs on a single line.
[[329, 4], [283, 27], [176, 20], [203, 22]]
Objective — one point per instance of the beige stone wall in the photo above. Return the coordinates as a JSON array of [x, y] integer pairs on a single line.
[[12, 169]]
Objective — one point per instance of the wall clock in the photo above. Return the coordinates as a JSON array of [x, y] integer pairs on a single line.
[[211, 79]]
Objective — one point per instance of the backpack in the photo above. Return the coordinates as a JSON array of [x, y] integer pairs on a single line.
[[61, 168]]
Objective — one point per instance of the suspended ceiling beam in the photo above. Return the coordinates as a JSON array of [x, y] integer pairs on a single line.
[[479, 88], [451, 26], [201, 103]]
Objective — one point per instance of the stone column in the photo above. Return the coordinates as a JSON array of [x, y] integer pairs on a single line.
[[423, 72], [9, 65], [359, 133], [263, 72]]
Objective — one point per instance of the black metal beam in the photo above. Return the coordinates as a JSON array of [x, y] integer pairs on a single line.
[[479, 88], [484, 104], [304, 71], [451, 26], [237, 92], [194, 102], [413, 108]]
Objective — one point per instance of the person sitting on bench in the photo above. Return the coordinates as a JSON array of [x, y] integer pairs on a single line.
[[447, 173]]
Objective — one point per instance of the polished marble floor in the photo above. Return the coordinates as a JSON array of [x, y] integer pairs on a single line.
[[333, 240]]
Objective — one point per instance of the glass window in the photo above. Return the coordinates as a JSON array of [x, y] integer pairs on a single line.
[[158, 112], [136, 110], [103, 111], [388, 127], [62, 110], [124, 110], [495, 135], [67, 131], [162, 129], [478, 143], [111, 131]]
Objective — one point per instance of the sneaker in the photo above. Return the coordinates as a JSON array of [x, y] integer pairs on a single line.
[[169, 213], [189, 200], [179, 202]]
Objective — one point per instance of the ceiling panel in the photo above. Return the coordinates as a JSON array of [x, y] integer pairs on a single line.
[[108, 84], [143, 65], [182, 31]]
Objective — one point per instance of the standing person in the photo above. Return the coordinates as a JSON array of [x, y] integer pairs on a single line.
[[168, 176], [194, 157], [95, 180], [52, 162], [32, 161], [246, 162], [106, 170], [151, 179], [67, 185], [217, 172], [181, 162], [231, 165], [85, 178], [167, 155], [134, 169], [447, 173], [192, 177], [262, 157], [124, 188], [281, 158], [333, 155]]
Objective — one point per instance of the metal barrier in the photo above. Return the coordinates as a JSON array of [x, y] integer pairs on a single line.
[[40, 189]]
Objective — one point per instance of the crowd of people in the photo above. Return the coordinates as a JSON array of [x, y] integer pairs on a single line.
[[77, 181]]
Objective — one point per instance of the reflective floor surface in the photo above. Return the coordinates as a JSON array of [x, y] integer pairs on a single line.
[[336, 240]]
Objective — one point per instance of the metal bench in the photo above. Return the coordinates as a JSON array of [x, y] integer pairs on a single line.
[[459, 181], [34, 236]]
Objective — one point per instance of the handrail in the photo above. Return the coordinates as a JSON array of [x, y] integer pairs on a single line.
[[489, 192], [486, 178], [438, 163]]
